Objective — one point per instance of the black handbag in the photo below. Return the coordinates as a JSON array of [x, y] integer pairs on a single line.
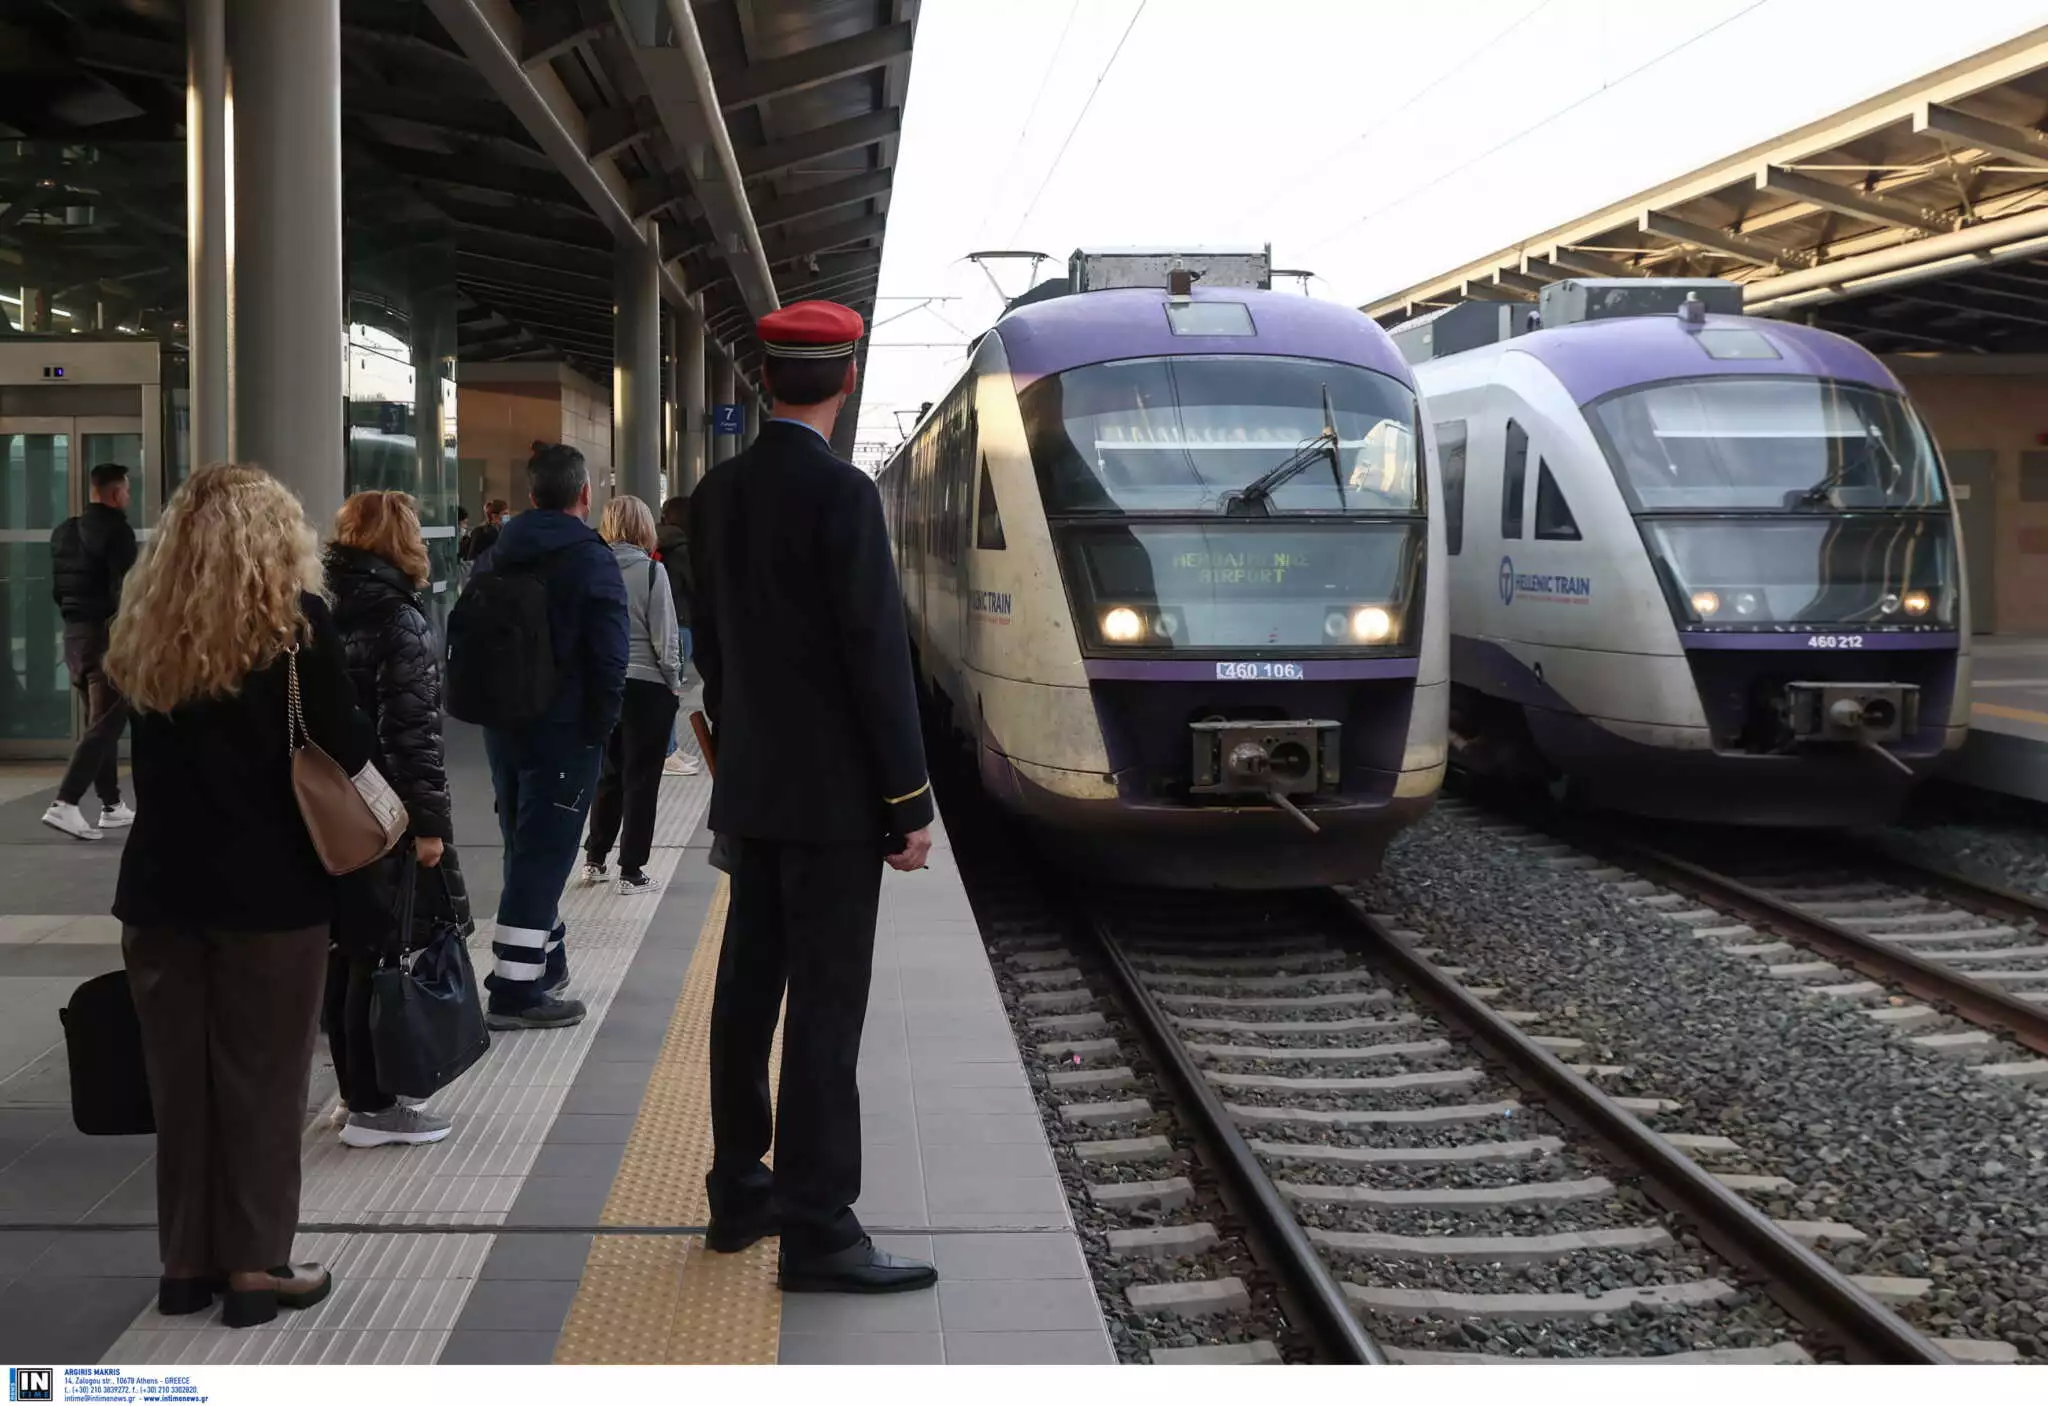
[[103, 1043], [426, 1017]]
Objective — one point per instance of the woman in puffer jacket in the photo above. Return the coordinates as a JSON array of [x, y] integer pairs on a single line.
[[376, 566]]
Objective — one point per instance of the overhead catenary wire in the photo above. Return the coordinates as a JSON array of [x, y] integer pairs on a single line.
[[1079, 118], [1030, 116], [1536, 126]]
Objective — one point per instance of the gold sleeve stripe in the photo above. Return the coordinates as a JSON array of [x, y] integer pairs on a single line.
[[909, 795]]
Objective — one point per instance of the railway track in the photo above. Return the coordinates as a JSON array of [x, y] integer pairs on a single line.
[[1416, 1177]]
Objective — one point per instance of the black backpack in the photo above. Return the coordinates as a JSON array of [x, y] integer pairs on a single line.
[[501, 653]]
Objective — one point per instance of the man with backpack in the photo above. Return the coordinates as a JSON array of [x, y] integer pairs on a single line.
[[89, 557], [537, 651]]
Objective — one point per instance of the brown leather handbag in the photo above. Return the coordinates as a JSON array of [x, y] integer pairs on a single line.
[[354, 820]]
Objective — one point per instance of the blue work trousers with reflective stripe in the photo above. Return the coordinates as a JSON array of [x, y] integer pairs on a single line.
[[543, 787]]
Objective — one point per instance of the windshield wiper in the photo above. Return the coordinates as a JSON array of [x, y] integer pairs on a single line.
[[1838, 478], [1260, 490]]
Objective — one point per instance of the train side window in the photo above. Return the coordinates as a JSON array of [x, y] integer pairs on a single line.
[[1554, 520], [1513, 478], [988, 518], [1450, 449]]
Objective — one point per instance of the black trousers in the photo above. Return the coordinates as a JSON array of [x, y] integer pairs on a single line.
[[96, 760], [629, 783], [802, 920], [228, 1025], [346, 1014]]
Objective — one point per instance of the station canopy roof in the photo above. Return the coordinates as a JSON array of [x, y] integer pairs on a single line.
[[1914, 222], [543, 130]]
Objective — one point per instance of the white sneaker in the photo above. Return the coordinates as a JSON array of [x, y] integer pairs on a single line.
[[594, 873], [118, 816], [680, 765], [338, 1115], [71, 821]]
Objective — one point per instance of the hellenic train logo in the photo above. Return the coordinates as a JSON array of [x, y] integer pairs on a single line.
[[1507, 580]]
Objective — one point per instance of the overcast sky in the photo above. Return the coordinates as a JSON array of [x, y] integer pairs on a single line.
[[1376, 142]]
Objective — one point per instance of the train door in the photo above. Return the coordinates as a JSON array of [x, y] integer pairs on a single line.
[[1972, 477], [64, 407]]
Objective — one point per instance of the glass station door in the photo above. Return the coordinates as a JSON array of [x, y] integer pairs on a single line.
[[45, 477]]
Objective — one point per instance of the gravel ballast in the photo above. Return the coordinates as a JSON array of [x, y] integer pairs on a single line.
[[1945, 1171]]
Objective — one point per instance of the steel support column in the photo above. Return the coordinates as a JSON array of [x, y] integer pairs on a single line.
[[288, 315], [724, 446], [690, 371], [636, 368], [209, 232]]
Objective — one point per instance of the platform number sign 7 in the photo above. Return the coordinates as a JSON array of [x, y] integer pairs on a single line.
[[31, 1384]]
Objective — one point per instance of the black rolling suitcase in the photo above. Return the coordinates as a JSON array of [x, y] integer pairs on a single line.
[[103, 1042]]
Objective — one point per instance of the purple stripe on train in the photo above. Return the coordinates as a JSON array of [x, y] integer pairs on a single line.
[[1263, 671], [1593, 359], [1844, 641], [1116, 324]]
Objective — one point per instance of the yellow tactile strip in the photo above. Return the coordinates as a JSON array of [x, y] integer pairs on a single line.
[[665, 1298]]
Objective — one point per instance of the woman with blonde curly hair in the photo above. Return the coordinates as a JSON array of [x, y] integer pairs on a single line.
[[629, 785], [224, 905]]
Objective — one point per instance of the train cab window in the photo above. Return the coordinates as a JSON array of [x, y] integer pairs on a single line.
[[988, 518], [1450, 448], [1554, 520], [1513, 480]]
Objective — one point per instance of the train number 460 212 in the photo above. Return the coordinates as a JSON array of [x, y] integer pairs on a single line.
[[1834, 641]]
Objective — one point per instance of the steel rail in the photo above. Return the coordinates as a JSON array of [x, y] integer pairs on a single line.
[[1806, 1286], [1295, 1261], [1977, 1002]]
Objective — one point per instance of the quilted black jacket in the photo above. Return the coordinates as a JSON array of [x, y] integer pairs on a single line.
[[395, 665]]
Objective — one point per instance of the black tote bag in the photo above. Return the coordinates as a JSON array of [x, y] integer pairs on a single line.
[[103, 1045], [426, 1017]]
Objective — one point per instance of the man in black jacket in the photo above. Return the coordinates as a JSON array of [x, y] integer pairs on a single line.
[[820, 772], [89, 557]]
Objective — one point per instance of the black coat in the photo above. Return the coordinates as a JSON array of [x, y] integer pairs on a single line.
[[799, 631], [394, 665], [218, 840], [89, 558], [674, 546]]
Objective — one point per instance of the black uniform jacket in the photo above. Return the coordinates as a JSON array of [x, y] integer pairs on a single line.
[[799, 632], [89, 559]]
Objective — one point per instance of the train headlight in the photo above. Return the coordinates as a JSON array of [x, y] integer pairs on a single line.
[[1166, 625], [1747, 603], [1371, 624], [1122, 625], [1888, 604], [1918, 603], [1705, 603], [1335, 624]]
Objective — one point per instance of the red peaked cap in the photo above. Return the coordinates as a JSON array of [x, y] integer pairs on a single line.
[[812, 331]]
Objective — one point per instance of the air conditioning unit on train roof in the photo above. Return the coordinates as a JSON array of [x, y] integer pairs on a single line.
[[1591, 299], [1092, 269], [1460, 327]]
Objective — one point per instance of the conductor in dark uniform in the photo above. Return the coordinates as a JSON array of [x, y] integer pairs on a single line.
[[820, 779]]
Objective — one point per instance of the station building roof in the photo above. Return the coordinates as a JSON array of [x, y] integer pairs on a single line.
[[1916, 221], [543, 130]]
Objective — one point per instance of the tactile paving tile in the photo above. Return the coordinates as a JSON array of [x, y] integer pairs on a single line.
[[667, 1299], [398, 1296]]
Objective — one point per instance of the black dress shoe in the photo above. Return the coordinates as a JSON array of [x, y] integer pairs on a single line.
[[175, 1298], [732, 1234], [857, 1269]]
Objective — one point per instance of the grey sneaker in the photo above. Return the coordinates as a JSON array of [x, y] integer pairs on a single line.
[[636, 881], [594, 873], [548, 1013], [396, 1124]]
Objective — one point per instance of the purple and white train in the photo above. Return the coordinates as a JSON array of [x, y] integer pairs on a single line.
[[1171, 573], [1701, 566]]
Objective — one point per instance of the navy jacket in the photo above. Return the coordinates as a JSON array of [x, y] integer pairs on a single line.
[[586, 617], [798, 630]]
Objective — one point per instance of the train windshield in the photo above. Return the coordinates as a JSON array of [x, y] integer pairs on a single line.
[[1874, 571], [1245, 586], [1774, 444], [1184, 434]]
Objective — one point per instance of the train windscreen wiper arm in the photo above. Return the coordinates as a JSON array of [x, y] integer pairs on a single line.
[[1260, 489]]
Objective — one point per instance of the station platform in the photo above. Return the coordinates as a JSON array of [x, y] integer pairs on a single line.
[[2008, 747], [562, 1220]]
